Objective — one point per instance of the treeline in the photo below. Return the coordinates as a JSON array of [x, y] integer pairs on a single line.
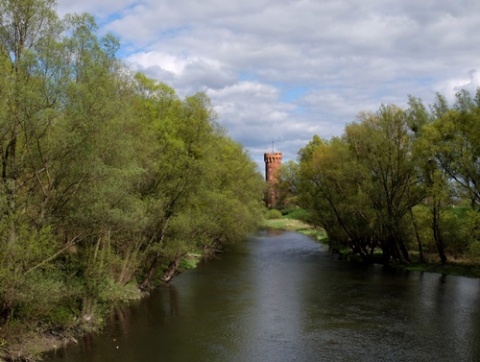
[[405, 182], [107, 178]]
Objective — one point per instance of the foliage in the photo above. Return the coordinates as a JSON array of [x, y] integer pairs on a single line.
[[273, 214], [108, 179], [394, 179], [297, 213], [475, 250], [285, 185]]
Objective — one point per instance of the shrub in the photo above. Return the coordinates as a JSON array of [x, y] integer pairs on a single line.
[[273, 214], [298, 214]]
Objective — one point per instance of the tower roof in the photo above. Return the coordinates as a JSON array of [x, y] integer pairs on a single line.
[[272, 157]]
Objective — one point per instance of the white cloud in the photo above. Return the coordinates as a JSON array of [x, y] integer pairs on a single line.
[[344, 55], [469, 82], [166, 62]]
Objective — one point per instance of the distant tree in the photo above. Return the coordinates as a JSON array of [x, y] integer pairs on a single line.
[[285, 187]]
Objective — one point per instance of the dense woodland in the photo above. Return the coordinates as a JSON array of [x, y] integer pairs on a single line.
[[402, 184], [108, 178]]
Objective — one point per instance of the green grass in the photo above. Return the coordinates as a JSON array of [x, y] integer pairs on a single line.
[[289, 224], [291, 220], [286, 224]]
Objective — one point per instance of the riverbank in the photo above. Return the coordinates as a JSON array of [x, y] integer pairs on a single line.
[[28, 342], [462, 268], [465, 268], [29, 346], [296, 225]]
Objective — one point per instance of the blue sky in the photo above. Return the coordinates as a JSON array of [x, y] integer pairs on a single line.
[[282, 71]]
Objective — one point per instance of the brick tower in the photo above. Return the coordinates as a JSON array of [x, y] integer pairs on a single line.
[[273, 161]]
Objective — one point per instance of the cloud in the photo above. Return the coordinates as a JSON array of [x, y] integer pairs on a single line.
[[469, 82], [285, 70]]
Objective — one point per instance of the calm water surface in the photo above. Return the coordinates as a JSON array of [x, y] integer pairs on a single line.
[[281, 297]]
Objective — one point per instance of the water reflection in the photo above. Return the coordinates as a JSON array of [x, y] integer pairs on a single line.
[[283, 298]]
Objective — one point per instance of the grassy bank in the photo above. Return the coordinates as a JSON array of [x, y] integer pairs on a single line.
[[295, 225]]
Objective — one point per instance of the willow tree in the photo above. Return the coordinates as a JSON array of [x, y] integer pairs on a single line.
[[448, 142], [456, 147], [388, 174], [435, 181], [362, 186], [195, 179], [107, 178], [28, 31], [178, 139], [60, 165], [328, 190]]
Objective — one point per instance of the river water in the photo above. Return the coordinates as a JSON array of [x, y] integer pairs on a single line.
[[282, 297]]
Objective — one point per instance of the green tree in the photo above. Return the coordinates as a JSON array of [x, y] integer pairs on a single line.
[[26, 27], [433, 178], [456, 145], [179, 141], [447, 146], [389, 177], [328, 189], [285, 187], [107, 179]]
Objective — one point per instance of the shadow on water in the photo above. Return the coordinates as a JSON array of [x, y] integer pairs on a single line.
[[282, 297]]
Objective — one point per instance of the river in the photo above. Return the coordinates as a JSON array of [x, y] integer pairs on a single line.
[[281, 297]]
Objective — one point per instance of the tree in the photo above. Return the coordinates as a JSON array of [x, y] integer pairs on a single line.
[[388, 174], [446, 143], [26, 27], [107, 178], [285, 187], [456, 145], [328, 189], [433, 178], [361, 187]]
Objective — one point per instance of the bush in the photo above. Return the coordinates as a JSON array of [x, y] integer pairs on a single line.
[[475, 250], [273, 214], [298, 214]]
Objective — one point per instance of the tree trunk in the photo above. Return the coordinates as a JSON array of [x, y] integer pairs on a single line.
[[436, 232], [386, 254], [147, 282], [169, 273], [405, 255], [417, 236]]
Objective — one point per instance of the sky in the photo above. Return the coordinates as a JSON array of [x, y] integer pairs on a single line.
[[280, 71]]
